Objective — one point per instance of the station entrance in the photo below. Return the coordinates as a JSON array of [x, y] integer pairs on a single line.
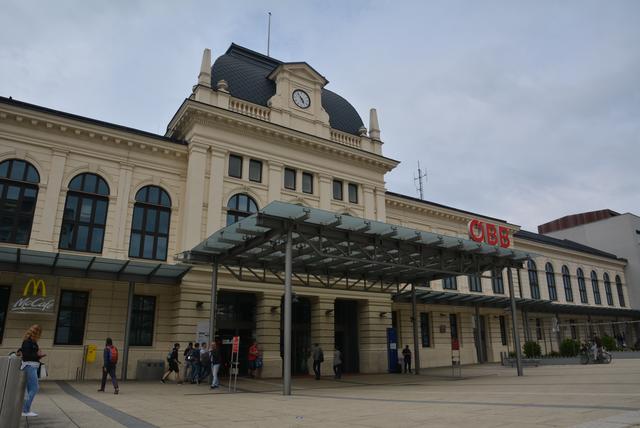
[[346, 334]]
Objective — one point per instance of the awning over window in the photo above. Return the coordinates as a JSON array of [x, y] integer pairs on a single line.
[[82, 266], [529, 305], [341, 251]]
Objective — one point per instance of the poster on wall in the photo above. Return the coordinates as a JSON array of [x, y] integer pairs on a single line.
[[34, 298], [202, 331]]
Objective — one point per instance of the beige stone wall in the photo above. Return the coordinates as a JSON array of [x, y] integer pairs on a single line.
[[106, 315]]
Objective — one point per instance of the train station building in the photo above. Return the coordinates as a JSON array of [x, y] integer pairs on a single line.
[[109, 231]]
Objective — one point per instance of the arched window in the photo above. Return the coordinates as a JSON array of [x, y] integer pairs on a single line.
[[533, 280], [620, 291], [596, 288], [239, 207], [551, 281], [607, 289], [18, 194], [582, 287], [85, 214], [150, 224], [566, 280]]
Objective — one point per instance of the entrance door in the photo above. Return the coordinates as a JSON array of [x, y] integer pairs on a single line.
[[300, 335], [235, 317], [480, 336], [346, 334]]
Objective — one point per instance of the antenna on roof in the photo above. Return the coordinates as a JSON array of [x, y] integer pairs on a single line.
[[419, 186], [269, 35]]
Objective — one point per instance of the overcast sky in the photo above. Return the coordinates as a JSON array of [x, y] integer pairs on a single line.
[[521, 112]]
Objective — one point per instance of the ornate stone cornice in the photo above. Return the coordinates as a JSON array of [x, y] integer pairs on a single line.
[[67, 127], [193, 112]]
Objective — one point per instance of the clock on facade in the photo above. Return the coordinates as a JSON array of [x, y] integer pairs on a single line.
[[301, 98]]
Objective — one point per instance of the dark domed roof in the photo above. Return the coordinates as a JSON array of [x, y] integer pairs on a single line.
[[246, 74]]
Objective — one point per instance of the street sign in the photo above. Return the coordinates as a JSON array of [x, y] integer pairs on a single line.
[[235, 344]]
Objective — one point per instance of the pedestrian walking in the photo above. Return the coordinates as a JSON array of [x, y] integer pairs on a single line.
[[195, 363], [254, 353], [205, 361], [31, 356], [187, 366], [318, 359], [406, 354], [337, 364], [214, 357], [110, 359], [172, 360]]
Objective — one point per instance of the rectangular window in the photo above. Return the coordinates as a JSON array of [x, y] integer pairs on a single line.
[[497, 282], [290, 178], [337, 190], [353, 193], [4, 306], [425, 331], [503, 330], [453, 326], [235, 166], [142, 319], [72, 314], [474, 283], [307, 182], [255, 171], [574, 329], [450, 283], [538, 329]]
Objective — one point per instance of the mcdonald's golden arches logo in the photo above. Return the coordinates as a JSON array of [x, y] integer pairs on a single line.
[[36, 285]]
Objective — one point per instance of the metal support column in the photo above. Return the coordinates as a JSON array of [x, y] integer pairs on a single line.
[[514, 325], [214, 302], [125, 348], [478, 336], [286, 385], [414, 317], [525, 326]]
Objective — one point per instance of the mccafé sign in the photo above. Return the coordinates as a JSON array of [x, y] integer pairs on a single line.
[[489, 233], [34, 298]]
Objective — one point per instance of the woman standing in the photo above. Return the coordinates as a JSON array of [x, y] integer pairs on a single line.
[[31, 356]]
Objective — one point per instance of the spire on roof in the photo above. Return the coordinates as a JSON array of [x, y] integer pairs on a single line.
[[204, 78], [374, 127]]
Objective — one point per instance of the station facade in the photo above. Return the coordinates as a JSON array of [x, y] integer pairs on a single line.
[[92, 211]]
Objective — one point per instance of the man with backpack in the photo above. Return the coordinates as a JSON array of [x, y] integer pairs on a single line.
[[172, 360], [187, 366], [110, 359], [318, 359]]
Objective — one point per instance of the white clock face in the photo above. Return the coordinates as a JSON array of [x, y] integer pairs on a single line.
[[301, 98]]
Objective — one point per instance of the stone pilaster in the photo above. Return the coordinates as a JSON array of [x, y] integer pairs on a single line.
[[323, 330], [381, 209], [268, 332], [215, 202], [194, 196], [275, 181], [44, 239], [325, 191], [373, 334], [369, 202]]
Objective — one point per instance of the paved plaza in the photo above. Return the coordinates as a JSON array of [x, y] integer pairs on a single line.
[[485, 396]]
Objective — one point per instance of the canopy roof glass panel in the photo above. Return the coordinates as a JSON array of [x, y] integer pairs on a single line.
[[78, 265], [329, 249]]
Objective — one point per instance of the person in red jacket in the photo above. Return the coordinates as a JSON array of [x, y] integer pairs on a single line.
[[110, 359]]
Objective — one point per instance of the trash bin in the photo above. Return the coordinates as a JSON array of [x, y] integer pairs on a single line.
[[149, 369], [12, 383]]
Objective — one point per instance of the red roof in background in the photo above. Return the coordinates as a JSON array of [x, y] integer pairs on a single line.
[[575, 220]]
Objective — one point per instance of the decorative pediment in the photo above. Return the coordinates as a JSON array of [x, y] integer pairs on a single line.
[[300, 70]]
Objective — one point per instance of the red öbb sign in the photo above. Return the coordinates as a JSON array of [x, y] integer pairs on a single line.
[[489, 233]]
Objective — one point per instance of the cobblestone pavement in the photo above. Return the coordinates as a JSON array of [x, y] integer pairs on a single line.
[[485, 396]]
